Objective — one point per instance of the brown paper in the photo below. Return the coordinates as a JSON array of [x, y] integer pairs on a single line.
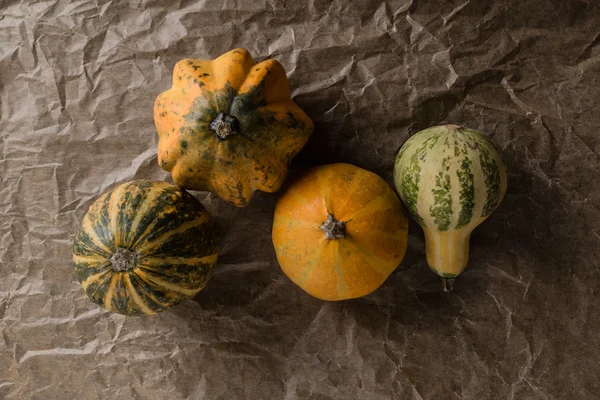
[[78, 81]]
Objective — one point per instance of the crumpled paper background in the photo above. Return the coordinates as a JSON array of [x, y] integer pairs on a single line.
[[77, 82]]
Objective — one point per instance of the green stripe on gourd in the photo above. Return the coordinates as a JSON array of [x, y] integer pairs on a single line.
[[411, 174], [121, 300], [410, 186], [450, 179], [155, 297], [491, 170], [97, 289], [467, 192], [441, 209], [492, 182]]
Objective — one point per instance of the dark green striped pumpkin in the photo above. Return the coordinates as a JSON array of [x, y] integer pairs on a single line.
[[143, 247]]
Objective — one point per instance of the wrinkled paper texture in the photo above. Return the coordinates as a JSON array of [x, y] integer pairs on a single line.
[[78, 81]]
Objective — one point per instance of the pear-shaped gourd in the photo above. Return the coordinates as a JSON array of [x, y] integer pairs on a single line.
[[451, 179]]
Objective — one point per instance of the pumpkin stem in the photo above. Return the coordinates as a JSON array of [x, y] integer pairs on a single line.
[[123, 259], [448, 284], [333, 228], [224, 125]]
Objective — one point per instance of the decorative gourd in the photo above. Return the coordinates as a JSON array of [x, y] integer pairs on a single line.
[[229, 126], [450, 179], [339, 232], [144, 247]]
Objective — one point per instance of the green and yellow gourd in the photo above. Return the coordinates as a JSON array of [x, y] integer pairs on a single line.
[[450, 179], [229, 125], [143, 247]]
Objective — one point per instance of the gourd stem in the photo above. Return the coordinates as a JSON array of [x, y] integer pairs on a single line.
[[333, 228], [448, 284], [224, 125], [123, 259], [453, 127]]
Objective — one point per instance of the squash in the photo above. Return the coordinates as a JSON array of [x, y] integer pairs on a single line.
[[339, 231], [229, 126], [143, 247], [450, 179]]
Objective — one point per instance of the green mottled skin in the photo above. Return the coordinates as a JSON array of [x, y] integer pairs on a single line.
[[410, 177], [152, 240], [464, 150], [467, 192], [97, 289], [452, 178], [83, 270], [84, 246], [410, 186], [441, 209], [156, 297], [491, 171]]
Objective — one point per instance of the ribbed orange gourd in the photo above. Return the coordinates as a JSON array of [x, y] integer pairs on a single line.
[[339, 231], [230, 126]]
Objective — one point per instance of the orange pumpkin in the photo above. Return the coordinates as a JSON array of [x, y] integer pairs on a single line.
[[339, 231], [230, 126]]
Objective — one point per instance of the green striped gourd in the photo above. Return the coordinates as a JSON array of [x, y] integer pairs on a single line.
[[451, 179], [143, 247]]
